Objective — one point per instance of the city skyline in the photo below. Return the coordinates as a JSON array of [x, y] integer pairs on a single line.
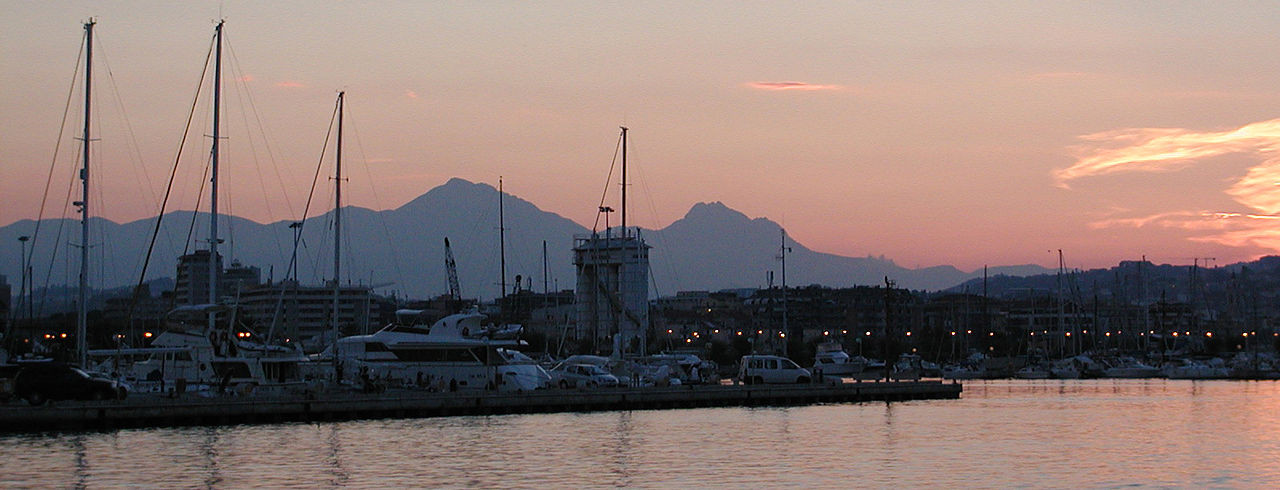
[[933, 134]]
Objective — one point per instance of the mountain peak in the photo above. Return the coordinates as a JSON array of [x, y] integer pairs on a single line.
[[456, 190], [714, 210]]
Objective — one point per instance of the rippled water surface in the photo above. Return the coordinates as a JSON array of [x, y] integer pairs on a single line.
[[1101, 433]]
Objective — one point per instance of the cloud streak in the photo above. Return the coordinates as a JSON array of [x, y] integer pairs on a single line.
[[1171, 149], [801, 86]]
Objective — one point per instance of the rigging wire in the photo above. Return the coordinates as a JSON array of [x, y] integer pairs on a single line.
[[608, 179], [245, 97], [266, 140], [136, 153], [35, 235], [297, 234], [195, 99], [315, 179], [382, 218], [57, 239], [195, 213], [659, 238]]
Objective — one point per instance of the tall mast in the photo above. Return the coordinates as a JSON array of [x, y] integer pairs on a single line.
[[502, 255], [82, 310], [337, 236], [213, 180], [624, 181], [784, 290]]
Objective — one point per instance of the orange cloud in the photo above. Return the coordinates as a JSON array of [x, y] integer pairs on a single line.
[[246, 78], [410, 94], [791, 86], [1170, 149], [290, 84]]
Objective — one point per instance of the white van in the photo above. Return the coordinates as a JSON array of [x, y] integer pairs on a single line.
[[757, 369]]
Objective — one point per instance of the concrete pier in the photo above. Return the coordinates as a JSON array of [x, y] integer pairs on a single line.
[[153, 411]]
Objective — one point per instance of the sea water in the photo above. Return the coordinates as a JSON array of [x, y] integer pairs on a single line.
[[1008, 433]]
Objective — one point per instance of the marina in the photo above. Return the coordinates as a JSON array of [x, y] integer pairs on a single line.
[[157, 411]]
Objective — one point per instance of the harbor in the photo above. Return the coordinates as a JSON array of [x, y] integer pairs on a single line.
[[161, 411]]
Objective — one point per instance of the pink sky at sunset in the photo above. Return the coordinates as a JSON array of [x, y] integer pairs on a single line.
[[964, 133]]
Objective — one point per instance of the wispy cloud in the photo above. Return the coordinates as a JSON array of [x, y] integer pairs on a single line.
[[246, 78], [1167, 149], [1170, 149], [792, 86], [1061, 75], [290, 84], [410, 94]]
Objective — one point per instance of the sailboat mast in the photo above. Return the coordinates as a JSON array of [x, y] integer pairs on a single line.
[[213, 170], [784, 291], [82, 310], [502, 255], [624, 181], [337, 235]]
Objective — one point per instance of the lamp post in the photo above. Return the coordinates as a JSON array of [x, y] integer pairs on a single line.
[[606, 210]]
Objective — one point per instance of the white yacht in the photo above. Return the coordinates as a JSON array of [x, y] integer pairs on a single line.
[[832, 360], [457, 352], [1128, 367], [1192, 369], [188, 354]]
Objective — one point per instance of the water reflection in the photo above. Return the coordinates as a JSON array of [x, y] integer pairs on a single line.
[[337, 472], [621, 449], [209, 449], [81, 462], [1091, 433]]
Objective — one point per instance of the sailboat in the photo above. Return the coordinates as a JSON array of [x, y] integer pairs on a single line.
[[214, 354]]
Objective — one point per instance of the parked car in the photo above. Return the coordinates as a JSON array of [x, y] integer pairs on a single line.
[[757, 369], [7, 373], [37, 383], [568, 375]]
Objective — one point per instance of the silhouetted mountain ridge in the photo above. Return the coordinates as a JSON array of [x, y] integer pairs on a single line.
[[712, 247]]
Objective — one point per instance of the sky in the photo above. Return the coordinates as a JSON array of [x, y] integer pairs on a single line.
[[932, 133]]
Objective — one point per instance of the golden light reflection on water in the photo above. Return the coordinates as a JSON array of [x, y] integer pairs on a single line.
[[1102, 433]]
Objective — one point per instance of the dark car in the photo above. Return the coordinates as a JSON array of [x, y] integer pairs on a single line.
[[38, 383], [7, 373]]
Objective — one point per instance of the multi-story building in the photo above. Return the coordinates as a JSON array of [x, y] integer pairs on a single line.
[[301, 312]]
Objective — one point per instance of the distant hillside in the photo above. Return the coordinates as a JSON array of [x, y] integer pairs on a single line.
[[713, 247], [1244, 284]]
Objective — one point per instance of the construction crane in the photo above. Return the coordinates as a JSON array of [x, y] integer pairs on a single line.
[[455, 293]]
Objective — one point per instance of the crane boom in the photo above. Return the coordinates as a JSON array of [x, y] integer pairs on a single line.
[[455, 293]]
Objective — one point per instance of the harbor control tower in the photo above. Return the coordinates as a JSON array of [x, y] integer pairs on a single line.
[[612, 293]]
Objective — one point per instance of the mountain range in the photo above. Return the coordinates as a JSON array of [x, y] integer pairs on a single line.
[[712, 247]]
